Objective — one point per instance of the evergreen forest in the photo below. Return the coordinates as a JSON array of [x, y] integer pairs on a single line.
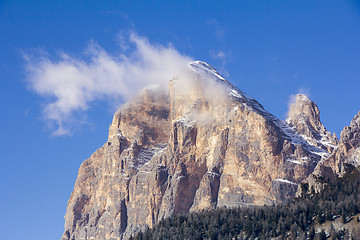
[[297, 219]]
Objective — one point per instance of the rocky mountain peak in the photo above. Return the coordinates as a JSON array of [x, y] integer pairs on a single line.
[[207, 70], [304, 117], [347, 152], [349, 148], [351, 133], [304, 112], [201, 145]]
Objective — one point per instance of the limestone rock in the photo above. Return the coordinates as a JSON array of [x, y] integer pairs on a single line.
[[348, 152], [201, 145], [304, 117]]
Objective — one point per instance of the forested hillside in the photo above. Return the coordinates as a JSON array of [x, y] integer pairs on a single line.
[[300, 218]]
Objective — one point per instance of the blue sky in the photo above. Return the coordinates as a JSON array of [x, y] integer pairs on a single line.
[[268, 49]]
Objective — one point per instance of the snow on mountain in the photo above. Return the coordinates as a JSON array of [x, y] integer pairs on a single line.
[[207, 72]]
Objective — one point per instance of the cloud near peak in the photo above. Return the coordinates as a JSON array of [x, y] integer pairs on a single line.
[[70, 84]]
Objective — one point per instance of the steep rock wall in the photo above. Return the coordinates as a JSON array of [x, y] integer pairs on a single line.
[[202, 148]]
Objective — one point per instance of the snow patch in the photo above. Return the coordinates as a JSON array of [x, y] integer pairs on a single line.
[[285, 181], [185, 121], [208, 72], [213, 173], [145, 155]]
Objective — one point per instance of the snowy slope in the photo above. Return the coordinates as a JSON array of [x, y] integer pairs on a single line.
[[207, 72]]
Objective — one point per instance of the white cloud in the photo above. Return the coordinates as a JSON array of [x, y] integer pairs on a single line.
[[218, 30], [70, 84], [218, 55], [223, 58]]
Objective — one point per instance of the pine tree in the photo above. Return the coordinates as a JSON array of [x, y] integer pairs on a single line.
[[312, 233], [322, 235]]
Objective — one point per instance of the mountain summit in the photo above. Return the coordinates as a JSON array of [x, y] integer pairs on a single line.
[[304, 116], [202, 144]]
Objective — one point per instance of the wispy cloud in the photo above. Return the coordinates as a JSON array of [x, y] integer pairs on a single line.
[[223, 58], [218, 55], [69, 84], [217, 29]]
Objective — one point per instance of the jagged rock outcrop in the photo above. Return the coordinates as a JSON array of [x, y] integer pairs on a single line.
[[304, 117], [201, 145], [347, 152]]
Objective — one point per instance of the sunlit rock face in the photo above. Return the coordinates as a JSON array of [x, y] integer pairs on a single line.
[[347, 152], [304, 117], [202, 144]]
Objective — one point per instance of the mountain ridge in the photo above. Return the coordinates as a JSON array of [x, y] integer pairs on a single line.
[[201, 145]]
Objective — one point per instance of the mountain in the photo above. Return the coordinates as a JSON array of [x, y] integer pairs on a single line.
[[333, 213], [201, 144], [346, 154], [304, 117]]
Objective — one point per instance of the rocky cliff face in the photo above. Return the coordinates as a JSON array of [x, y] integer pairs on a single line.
[[201, 145], [347, 152], [304, 117]]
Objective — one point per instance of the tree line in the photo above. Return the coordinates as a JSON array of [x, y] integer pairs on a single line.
[[296, 219]]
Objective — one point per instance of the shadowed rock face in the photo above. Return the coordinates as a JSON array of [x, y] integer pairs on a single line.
[[202, 148]]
